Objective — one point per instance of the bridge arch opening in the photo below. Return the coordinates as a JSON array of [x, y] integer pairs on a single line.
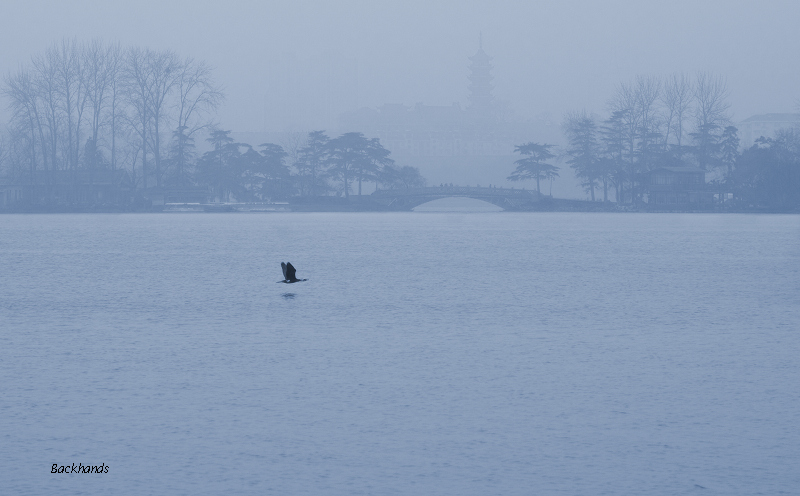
[[457, 204]]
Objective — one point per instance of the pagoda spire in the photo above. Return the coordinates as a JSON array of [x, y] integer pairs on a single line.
[[480, 88]]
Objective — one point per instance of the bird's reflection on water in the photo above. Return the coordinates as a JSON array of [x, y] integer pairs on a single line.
[[288, 296]]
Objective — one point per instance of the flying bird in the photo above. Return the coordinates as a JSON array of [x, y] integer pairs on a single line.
[[289, 273]]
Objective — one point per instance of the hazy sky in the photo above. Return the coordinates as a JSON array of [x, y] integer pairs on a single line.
[[549, 56]]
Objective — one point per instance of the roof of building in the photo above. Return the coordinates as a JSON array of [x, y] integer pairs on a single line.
[[481, 58], [773, 118]]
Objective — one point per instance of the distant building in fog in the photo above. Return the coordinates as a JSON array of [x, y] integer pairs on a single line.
[[766, 125], [481, 108], [446, 130], [677, 188], [449, 143]]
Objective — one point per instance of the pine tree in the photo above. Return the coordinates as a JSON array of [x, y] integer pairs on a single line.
[[534, 164]]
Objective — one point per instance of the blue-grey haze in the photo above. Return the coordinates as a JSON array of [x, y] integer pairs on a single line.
[[550, 56], [435, 353]]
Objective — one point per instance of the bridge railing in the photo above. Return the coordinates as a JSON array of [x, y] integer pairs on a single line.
[[455, 191]]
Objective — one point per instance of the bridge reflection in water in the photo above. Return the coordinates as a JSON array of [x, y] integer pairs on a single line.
[[407, 199]]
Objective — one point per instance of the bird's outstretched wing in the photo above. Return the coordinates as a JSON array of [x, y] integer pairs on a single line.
[[290, 272], [283, 267]]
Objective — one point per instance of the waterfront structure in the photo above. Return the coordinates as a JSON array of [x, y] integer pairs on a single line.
[[677, 187]]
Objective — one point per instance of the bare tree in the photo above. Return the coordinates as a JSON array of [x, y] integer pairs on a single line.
[[26, 119], [100, 72], [710, 114], [4, 152], [149, 79], [111, 99], [624, 106], [163, 75], [198, 96], [637, 126], [136, 81], [613, 138], [196, 101], [677, 100], [71, 88], [711, 93], [115, 68], [44, 79], [646, 94]]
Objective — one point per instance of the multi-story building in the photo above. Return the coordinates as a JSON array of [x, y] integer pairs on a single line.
[[766, 125]]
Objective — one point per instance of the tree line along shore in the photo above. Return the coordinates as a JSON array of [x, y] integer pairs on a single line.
[[101, 127]]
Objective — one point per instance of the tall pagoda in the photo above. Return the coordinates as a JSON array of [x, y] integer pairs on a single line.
[[480, 88]]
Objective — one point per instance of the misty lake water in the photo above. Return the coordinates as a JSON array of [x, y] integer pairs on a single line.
[[428, 353]]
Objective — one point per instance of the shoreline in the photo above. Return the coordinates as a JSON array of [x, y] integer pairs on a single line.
[[570, 206]]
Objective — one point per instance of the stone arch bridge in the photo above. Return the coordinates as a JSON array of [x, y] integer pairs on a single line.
[[407, 199]]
